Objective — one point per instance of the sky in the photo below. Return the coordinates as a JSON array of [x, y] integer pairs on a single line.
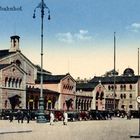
[[79, 38]]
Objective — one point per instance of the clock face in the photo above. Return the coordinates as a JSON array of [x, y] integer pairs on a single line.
[[138, 99]]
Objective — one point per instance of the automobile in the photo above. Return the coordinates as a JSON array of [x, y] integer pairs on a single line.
[[134, 113], [84, 115], [58, 114], [73, 116], [98, 114], [5, 114], [92, 115], [120, 113]]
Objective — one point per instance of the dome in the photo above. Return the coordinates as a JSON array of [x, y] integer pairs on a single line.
[[128, 72]]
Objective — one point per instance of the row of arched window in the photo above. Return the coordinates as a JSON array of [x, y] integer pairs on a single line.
[[122, 87], [13, 82], [130, 106], [123, 96], [99, 95], [68, 87], [110, 102]]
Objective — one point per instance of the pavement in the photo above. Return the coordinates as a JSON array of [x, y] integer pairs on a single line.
[[116, 129]]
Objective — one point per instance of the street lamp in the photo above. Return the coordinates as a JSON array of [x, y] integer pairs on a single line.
[[41, 115]]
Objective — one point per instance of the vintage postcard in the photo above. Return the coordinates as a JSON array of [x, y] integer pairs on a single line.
[[69, 69]]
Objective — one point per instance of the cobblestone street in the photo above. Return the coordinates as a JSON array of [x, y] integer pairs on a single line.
[[116, 129]]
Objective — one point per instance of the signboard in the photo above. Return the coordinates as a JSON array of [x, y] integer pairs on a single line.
[[138, 99]]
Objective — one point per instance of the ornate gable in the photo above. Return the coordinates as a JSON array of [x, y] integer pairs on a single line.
[[12, 81], [23, 62]]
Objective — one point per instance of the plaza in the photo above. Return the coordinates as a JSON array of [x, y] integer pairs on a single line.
[[115, 129]]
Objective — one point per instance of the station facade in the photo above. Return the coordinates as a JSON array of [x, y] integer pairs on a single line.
[[20, 86]]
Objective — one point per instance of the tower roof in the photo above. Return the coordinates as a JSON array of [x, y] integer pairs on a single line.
[[128, 72], [15, 36]]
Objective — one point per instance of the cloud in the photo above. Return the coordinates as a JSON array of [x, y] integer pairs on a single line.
[[134, 27], [82, 35], [65, 37]]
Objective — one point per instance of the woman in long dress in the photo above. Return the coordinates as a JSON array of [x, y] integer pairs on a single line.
[[65, 121], [51, 118]]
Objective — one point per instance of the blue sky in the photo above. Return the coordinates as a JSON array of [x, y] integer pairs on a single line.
[[79, 37]]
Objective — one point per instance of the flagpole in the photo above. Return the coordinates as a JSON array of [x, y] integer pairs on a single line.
[[138, 92], [114, 70]]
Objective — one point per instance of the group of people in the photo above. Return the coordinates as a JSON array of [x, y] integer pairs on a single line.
[[20, 116], [65, 118]]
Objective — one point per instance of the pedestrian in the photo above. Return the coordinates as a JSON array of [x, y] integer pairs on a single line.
[[18, 116], [11, 116], [22, 116], [129, 115], [65, 120], [51, 118], [28, 116]]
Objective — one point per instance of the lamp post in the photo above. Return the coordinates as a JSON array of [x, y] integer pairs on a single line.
[[41, 115]]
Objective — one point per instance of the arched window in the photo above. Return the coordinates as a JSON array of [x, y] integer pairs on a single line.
[[97, 95], [66, 86], [121, 96], [102, 96], [9, 82], [130, 95], [124, 87], [121, 87], [6, 81], [112, 87], [109, 87], [130, 87], [16, 83], [13, 82], [20, 81], [124, 96], [130, 106], [122, 106], [18, 63]]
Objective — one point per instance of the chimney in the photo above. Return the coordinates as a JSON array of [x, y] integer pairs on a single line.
[[14, 44]]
